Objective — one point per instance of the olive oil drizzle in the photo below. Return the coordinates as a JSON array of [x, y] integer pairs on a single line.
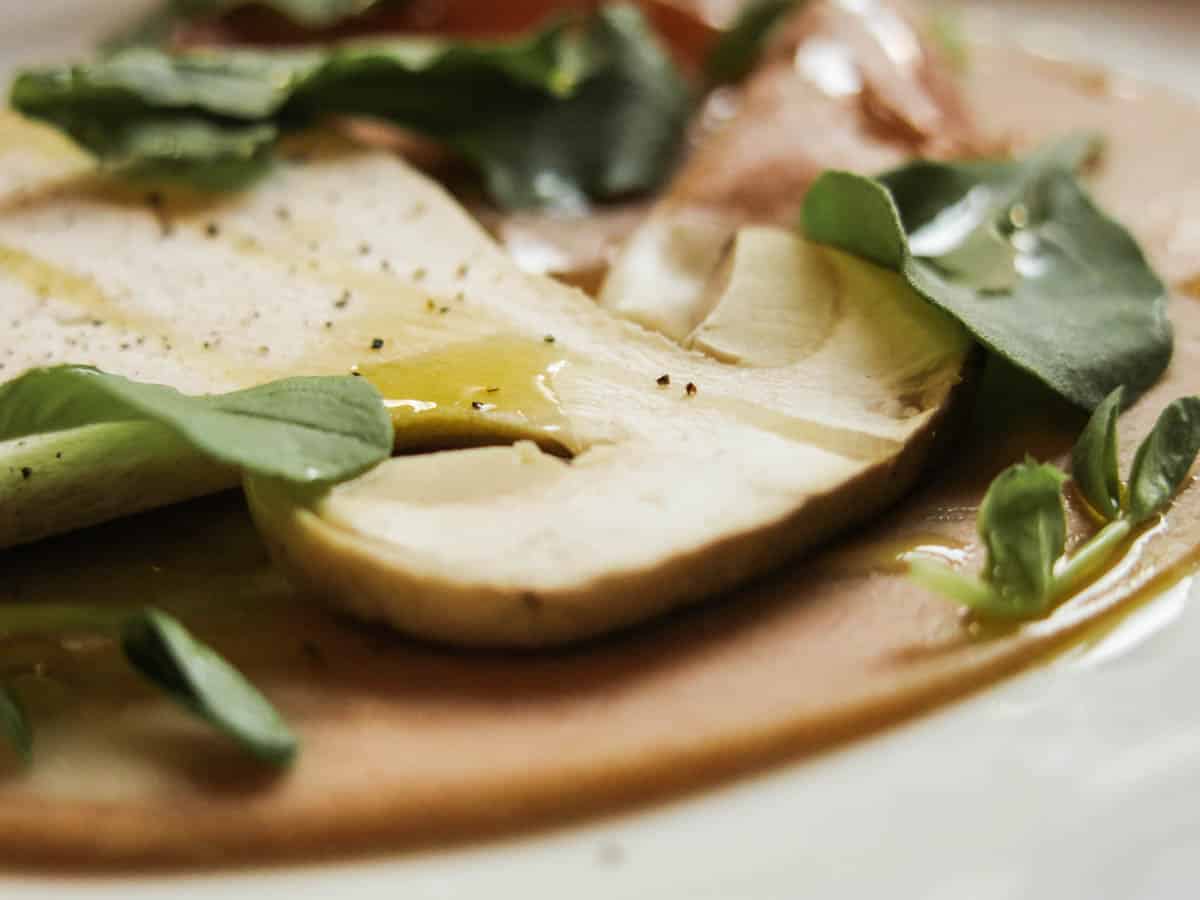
[[493, 390]]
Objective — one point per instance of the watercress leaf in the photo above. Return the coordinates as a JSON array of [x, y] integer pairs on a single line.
[[1019, 254], [1164, 458], [14, 725], [618, 132], [1024, 527], [1094, 458], [210, 156], [159, 25], [740, 45], [566, 115], [307, 429], [858, 215], [198, 679]]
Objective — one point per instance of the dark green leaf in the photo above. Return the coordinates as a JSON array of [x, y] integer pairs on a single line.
[[157, 26], [1019, 254], [618, 132], [314, 429], [312, 13], [1024, 527], [567, 115], [1094, 458], [202, 682], [858, 215], [739, 47], [1164, 458], [14, 726]]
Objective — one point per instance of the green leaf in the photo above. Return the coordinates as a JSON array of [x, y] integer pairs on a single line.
[[566, 115], [1019, 254], [193, 675], [311, 13], [309, 429], [617, 132], [14, 725], [1164, 459], [158, 25], [1024, 527], [739, 47], [1094, 458]]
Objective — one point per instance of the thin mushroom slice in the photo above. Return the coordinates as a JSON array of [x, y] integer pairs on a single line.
[[826, 384]]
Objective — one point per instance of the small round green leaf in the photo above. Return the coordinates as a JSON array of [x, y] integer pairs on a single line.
[[200, 681], [1024, 527], [1164, 458], [1094, 458]]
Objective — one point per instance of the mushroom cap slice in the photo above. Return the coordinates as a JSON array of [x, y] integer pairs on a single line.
[[820, 390]]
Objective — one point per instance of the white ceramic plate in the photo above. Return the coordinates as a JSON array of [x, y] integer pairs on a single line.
[[1079, 779]]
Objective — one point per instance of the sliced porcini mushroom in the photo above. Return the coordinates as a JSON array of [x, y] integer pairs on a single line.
[[354, 261], [822, 385]]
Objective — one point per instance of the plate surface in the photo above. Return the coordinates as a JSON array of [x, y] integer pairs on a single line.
[[1077, 779]]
